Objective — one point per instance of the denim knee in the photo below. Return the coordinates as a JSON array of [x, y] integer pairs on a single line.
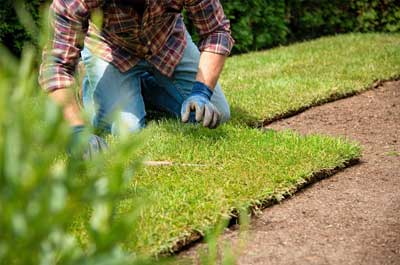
[[129, 122], [225, 113]]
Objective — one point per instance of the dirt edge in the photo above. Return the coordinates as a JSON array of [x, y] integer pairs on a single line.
[[196, 236], [331, 98]]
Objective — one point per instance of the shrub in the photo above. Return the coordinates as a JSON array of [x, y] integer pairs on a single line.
[[260, 24], [12, 34], [313, 18], [257, 24], [44, 195], [377, 15]]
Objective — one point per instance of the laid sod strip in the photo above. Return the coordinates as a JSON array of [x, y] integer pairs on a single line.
[[263, 86], [217, 171], [205, 174]]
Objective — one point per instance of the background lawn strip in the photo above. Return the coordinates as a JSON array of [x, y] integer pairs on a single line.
[[263, 86], [243, 167]]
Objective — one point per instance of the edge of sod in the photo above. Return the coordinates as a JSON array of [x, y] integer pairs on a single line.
[[330, 98], [195, 236]]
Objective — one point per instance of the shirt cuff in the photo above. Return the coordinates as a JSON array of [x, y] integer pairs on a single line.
[[220, 43], [56, 83]]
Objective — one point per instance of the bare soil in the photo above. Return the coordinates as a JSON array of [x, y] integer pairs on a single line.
[[352, 217]]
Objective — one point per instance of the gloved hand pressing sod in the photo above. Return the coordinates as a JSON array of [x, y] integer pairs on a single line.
[[86, 150], [199, 103]]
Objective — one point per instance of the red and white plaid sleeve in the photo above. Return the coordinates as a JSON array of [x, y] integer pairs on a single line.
[[69, 19], [212, 25]]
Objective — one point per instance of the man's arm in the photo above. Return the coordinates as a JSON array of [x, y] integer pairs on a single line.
[[69, 20], [210, 68], [215, 38], [215, 44], [66, 99], [198, 102]]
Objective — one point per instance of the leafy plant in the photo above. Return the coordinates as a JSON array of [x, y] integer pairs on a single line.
[[256, 24], [45, 195], [311, 18], [12, 33]]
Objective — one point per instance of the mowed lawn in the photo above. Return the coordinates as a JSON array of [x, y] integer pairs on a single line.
[[237, 166]]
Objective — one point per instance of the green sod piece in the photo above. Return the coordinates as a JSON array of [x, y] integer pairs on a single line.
[[242, 167], [262, 86]]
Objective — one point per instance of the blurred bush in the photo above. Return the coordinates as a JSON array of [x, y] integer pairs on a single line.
[[47, 198]]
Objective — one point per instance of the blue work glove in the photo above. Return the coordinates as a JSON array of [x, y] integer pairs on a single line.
[[198, 104], [94, 144]]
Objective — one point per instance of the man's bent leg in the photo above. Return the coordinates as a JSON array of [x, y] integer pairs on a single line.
[[161, 96], [112, 98], [179, 87]]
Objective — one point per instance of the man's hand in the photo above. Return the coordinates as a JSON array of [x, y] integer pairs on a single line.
[[93, 144], [199, 102], [65, 98]]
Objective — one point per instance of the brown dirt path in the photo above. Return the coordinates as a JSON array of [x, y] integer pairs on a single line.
[[352, 217]]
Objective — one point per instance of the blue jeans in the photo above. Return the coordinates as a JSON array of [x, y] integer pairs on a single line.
[[115, 99]]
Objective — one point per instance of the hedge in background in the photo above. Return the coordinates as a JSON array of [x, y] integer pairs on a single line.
[[256, 24], [314, 18], [12, 33], [260, 24]]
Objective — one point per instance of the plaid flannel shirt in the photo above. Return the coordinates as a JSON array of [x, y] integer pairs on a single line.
[[158, 35]]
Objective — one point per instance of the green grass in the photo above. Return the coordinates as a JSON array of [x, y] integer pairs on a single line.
[[244, 166], [265, 85]]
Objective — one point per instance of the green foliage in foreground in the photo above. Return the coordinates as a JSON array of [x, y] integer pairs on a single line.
[[43, 193], [264, 85], [232, 167]]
